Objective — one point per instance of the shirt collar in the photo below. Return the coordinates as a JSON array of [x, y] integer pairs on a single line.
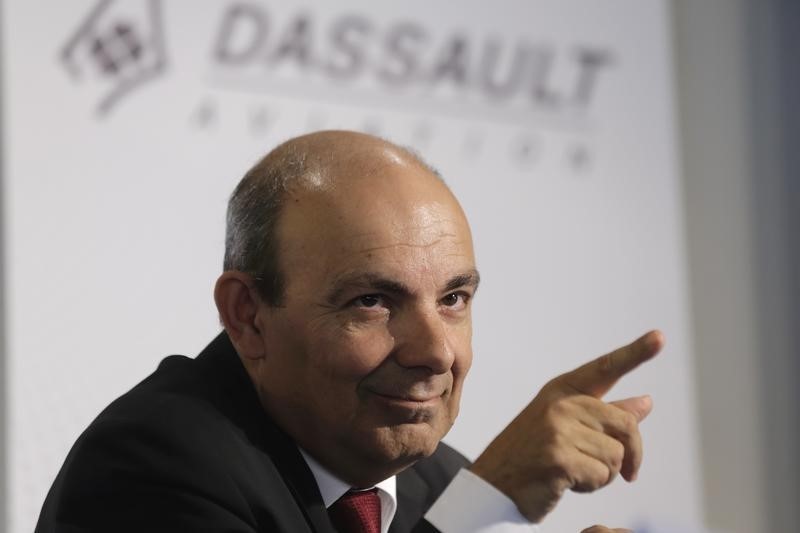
[[331, 488]]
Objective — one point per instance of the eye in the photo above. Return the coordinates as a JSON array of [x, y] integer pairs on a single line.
[[455, 300], [368, 301]]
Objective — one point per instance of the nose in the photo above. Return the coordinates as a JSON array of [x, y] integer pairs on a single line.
[[421, 340]]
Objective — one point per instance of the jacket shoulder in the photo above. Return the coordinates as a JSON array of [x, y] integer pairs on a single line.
[[178, 452]]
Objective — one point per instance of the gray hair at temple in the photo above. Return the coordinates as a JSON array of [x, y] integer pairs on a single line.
[[251, 245]]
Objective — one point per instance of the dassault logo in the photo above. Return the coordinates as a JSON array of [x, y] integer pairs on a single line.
[[261, 50], [376, 69], [116, 48]]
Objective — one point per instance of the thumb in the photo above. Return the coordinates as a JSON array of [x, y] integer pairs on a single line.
[[638, 406]]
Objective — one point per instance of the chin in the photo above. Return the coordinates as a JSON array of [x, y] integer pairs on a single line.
[[412, 441], [388, 450]]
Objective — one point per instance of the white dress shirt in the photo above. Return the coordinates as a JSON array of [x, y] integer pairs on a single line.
[[468, 505]]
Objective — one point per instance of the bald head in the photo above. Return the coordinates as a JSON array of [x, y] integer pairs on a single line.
[[335, 167], [326, 155]]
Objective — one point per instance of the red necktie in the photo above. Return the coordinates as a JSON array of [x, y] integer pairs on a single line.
[[357, 512]]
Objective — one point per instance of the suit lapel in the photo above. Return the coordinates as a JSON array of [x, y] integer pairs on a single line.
[[412, 500]]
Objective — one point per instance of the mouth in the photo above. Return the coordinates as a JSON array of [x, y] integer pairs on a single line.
[[413, 399]]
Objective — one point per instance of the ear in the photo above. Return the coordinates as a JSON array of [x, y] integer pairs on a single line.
[[238, 303]]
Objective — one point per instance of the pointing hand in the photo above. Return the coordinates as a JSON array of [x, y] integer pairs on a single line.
[[568, 438]]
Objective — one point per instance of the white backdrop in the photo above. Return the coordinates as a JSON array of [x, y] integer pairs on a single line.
[[129, 123]]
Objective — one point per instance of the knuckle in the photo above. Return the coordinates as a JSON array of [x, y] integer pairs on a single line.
[[560, 448], [616, 457], [556, 417], [629, 423], [559, 409], [619, 451], [600, 477]]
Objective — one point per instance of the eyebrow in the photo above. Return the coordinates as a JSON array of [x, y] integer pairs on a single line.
[[468, 279], [380, 283]]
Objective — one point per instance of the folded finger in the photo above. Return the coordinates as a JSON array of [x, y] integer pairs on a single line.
[[601, 447], [587, 474], [614, 422]]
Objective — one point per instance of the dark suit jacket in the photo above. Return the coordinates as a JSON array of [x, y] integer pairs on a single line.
[[191, 449]]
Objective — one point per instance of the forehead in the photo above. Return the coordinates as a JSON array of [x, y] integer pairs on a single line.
[[421, 226], [400, 219]]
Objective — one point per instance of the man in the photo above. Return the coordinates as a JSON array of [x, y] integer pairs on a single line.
[[349, 278]]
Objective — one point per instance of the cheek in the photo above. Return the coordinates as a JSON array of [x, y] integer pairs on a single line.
[[352, 352]]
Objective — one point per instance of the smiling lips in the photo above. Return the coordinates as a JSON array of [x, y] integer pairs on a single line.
[[410, 387], [421, 393]]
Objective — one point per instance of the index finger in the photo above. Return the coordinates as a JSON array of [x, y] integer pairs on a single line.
[[595, 378]]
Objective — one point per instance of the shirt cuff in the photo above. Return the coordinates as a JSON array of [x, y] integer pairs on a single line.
[[471, 505]]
